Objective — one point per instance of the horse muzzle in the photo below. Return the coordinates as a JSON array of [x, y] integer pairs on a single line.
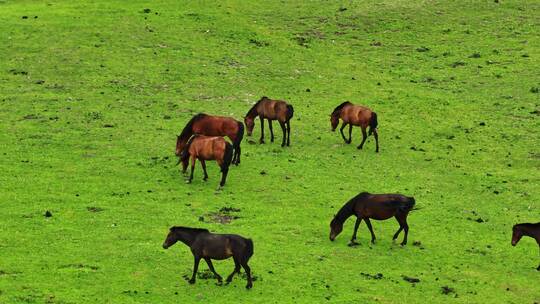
[[165, 246]]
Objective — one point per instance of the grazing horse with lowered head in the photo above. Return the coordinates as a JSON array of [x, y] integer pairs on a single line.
[[270, 109], [377, 207], [527, 229], [206, 148], [210, 125], [358, 116], [210, 246]]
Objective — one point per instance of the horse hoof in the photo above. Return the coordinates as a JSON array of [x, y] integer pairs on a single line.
[[192, 281], [188, 182], [353, 244], [248, 286]]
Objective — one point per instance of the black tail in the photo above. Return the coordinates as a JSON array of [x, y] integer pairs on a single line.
[[373, 123], [239, 135], [227, 158], [290, 111], [407, 205], [249, 248]]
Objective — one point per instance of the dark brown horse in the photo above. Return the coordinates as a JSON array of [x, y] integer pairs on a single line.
[[210, 125], [210, 246], [358, 116], [206, 148], [270, 109], [377, 207], [527, 229]]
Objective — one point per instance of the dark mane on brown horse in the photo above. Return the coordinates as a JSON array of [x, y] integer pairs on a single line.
[[338, 108], [187, 131], [185, 153], [253, 110], [175, 228], [347, 210]]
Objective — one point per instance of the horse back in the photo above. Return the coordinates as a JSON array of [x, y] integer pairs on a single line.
[[216, 126], [219, 246], [356, 115], [207, 147], [381, 206], [273, 109]]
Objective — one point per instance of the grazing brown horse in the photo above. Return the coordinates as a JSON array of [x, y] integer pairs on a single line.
[[377, 207], [210, 246], [358, 116], [210, 125], [532, 230], [206, 148], [270, 109]]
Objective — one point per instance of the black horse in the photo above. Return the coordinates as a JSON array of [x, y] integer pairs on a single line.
[[527, 229], [208, 246], [375, 206]]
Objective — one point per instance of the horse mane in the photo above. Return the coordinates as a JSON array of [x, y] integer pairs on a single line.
[[347, 209], [187, 131], [251, 111], [528, 225], [184, 154], [199, 230], [338, 108]]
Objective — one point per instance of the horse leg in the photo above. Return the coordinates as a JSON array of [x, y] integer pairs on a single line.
[[370, 230], [364, 137], [237, 155], [288, 133], [195, 267], [203, 165], [261, 140], [356, 225], [350, 134], [236, 270], [399, 230], [343, 135], [193, 160], [402, 220], [248, 273], [224, 173], [284, 129], [376, 135], [271, 131], [209, 262]]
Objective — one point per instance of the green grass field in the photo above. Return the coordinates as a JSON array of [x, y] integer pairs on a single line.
[[93, 94]]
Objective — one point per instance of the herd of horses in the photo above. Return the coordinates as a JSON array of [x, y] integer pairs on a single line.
[[203, 139]]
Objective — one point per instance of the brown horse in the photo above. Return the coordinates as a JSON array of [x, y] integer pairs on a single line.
[[270, 109], [375, 206], [206, 148], [358, 116], [208, 246], [527, 229], [210, 125]]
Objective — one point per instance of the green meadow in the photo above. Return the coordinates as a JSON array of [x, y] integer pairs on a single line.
[[93, 94]]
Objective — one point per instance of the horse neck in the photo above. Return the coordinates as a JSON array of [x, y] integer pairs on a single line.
[[253, 111], [531, 231], [187, 237], [345, 212]]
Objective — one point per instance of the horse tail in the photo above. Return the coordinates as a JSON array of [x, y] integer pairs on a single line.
[[249, 248], [290, 111], [407, 205], [239, 135], [227, 158], [373, 123]]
